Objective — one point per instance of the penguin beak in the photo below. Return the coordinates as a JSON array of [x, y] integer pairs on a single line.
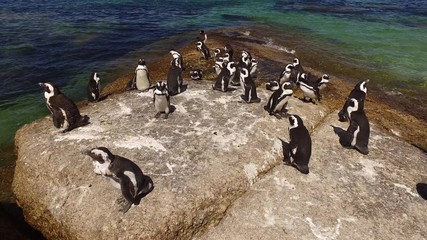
[[41, 85]]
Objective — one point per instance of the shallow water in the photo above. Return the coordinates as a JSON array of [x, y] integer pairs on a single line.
[[64, 41]]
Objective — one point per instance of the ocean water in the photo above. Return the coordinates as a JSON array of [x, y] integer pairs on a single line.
[[64, 41]]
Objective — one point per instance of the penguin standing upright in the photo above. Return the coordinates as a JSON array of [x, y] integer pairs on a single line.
[[229, 49], [219, 64], [297, 70], [250, 94], [300, 145], [142, 78], [204, 50], [223, 79], [161, 100], [203, 36], [309, 89], [359, 130], [359, 93], [134, 185], [177, 57], [94, 88], [175, 79], [65, 114], [279, 99]]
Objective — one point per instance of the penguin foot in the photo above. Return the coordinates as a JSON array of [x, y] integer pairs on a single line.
[[124, 205], [256, 100], [157, 115], [166, 116], [362, 150]]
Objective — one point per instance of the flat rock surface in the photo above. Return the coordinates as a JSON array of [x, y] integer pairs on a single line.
[[209, 151], [347, 195]]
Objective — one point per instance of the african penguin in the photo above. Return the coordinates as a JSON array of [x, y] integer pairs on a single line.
[[161, 100], [300, 145], [297, 70], [253, 68], [359, 130], [142, 78], [65, 114], [309, 89], [285, 76], [272, 85], [250, 94], [223, 79], [175, 79], [94, 88], [322, 81], [134, 185], [245, 60], [196, 74], [359, 93], [219, 64], [217, 53], [279, 99], [204, 50]]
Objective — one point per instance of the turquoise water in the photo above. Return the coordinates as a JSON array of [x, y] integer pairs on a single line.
[[64, 41]]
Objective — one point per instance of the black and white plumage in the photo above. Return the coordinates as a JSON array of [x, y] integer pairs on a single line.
[[245, 60], [204, 50], [253, 68], [196, 74], [309, 88], [322, 81], [300, 145], [94, 88], [161, 100], [250, 94], [279, 99], [219, 64], [218, 52], [177, 59], [359, 130], [133, 184], [203, 36], [142, 77], [297, 70], [65, 114], [175, 79], [285, 76], [272, 85], [359, 93], [223, 79]]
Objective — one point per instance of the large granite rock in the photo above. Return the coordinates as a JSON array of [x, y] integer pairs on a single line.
[[347, 195], [206, 155]]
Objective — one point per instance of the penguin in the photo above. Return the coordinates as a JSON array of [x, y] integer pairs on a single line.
[[279, 99], [65, 114], [322, 82], [142, 77], [196, 74], [204, 50], [285, 76], [229, 49], [297, 70], [272, 85], [177, 58], [300, 145], [359, 130], [359, 93], [174, 80], [94, 88], [203, 37], [250, 94], [245, 60], [223, 79], [133, 184], [253, 68], [226, 58], [161, 100], [309, 89]]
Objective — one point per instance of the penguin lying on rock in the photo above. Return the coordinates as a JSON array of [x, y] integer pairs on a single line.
[[133, 183]]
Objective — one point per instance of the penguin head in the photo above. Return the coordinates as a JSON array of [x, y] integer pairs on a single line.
[[217, 51], [226, 57], [202, 32], [296, 62], [272, 85], [362, 86], [287, 86], [50, 89], [324, 79], [95, 77], [228, 48], [246, 54], [289, 67], [174, 53], [141, 61], [295, 121], [199, 45], [231, 66], [161, 86], [100, 154]]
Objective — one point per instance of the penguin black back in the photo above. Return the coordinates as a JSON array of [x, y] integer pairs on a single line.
[[359, 93], [94, 88], [300, 144]]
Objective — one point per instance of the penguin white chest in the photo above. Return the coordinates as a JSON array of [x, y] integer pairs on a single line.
[[161, 103], [308, 92]]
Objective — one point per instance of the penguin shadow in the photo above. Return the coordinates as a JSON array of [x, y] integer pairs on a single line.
[[145, 192], [342, 134], [422, 190]]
